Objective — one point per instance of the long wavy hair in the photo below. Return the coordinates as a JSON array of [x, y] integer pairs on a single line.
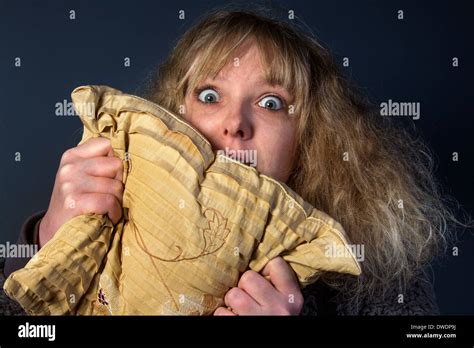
[[375, 179]]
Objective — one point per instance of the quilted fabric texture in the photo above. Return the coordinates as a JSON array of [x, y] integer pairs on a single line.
[[193, 222]]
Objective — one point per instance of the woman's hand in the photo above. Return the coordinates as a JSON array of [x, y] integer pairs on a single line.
[[256, 295], [89, 180]]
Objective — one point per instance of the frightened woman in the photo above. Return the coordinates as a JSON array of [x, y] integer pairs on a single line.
[[252, 83]]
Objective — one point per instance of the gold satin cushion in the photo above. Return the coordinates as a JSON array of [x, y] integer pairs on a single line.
[[193, 222]]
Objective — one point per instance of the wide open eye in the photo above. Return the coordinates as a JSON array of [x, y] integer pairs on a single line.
[[208, 96], [271, 102]]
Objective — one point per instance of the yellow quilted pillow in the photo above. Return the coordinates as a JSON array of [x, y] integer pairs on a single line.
[[193, 222]]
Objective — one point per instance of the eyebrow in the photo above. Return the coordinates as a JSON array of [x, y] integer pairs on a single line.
[[285, 93]]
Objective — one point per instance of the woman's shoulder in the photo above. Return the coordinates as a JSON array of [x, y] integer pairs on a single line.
[[417, 298]]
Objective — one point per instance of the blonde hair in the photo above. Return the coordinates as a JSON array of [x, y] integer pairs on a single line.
[[376, 180]]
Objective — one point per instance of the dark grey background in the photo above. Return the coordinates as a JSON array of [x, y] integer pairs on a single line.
[[408, 60]]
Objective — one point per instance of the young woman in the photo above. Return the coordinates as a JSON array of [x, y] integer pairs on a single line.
[[248, 82]]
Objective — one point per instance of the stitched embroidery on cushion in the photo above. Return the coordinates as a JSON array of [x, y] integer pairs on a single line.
[[213, 237]]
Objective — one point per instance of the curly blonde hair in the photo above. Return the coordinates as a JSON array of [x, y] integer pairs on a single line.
[[375, 179]]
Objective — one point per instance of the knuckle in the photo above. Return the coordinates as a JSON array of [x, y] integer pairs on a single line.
[[234, 297], [67, 155], [109, 201], [70, 201], [276, 262], [247, 277], [117, 165], [97, 141], [117, 187], [65, 171], [298, 303], [104, 141], [117, 162], [66, 188], [219, 311], [284, 308], [229, 296], [294, 303]]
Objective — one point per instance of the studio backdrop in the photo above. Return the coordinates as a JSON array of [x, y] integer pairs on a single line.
[[414, 52]]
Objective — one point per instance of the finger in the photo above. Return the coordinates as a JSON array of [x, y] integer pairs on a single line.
[[241, 303], [93, 147], [93, 184], [110, 167], [98, 203], [282, 276], [119, 174], [222, 311], [260, 289]]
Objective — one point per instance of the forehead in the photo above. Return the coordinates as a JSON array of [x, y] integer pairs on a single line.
[[245, 64], [263, 62], [247, 56]]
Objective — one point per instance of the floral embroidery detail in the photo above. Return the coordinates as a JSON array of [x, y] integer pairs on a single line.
[[213, 238], [217, 232], [101, 297]]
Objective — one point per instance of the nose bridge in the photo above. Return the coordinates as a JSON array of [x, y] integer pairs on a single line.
[[237, 121]]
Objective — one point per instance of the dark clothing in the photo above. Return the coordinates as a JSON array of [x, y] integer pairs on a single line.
[[28, 235], [321, 300]]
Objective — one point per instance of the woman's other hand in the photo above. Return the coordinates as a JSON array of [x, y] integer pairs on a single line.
[[255, 295]]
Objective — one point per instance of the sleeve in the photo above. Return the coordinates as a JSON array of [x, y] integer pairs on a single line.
[[7, 305], [319, 300], [28, 235]]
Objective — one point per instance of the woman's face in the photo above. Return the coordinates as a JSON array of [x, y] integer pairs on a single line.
[[239, 111]]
